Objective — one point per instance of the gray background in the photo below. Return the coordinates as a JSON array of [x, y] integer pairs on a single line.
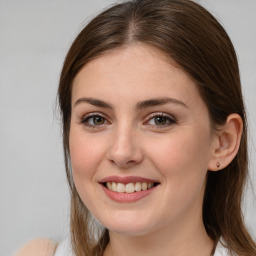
[[34, 38]]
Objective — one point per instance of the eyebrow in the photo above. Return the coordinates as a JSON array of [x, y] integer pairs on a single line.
[[139, 105], [159, 102], [94, 102]]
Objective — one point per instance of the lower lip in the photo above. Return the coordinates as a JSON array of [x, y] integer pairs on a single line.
[[127, 197]]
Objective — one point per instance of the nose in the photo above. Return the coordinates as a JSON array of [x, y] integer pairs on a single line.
[[125, 151]]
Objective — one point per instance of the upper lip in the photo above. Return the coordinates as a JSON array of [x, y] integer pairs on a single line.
[[127, 179]]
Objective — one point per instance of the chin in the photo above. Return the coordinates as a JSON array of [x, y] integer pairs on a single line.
[[128, 226], [129, 231]]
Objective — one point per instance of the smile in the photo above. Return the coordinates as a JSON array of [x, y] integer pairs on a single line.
[[129, 187]]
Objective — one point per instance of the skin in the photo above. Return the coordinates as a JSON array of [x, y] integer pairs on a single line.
[[130, 142]]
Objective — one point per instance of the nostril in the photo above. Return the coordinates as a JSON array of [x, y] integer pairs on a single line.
[[123, 164]]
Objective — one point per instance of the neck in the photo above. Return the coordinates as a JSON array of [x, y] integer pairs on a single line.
[[183, 240]]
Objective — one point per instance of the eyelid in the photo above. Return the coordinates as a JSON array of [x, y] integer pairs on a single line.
[[171, 118], [92, 114], [162, 114]]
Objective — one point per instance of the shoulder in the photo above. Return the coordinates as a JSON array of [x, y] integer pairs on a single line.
[[38, 247]]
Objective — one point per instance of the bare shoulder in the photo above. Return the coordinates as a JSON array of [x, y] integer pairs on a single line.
[[38, 247]]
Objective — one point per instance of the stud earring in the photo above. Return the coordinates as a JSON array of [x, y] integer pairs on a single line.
[[218, 165]]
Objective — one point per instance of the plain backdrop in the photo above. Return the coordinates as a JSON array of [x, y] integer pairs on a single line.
[[34, 38]]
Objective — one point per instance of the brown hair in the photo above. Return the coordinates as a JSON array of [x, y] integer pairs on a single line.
[[194, 39]]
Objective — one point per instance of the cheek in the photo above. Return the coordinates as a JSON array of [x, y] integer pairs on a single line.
[[182, 162], [183, 158], [85, 154]]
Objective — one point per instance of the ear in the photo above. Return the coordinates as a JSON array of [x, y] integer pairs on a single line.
[[226, 143]]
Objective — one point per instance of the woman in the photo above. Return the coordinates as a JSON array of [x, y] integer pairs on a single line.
[[154, 133]]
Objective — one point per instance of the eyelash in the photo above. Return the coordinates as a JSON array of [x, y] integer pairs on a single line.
[[86, 119], [168, 118]]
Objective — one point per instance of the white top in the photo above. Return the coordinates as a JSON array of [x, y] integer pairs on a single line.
[[221, 250], [64, 249]]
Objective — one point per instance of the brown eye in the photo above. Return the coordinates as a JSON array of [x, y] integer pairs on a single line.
[[94, 120], [160, 120], [98, 120]]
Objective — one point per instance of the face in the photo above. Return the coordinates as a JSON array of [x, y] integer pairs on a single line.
[[140, 141]]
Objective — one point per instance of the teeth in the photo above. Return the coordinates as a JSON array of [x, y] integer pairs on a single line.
[[137, 186], [130, 187], [114, 187], [144, 186], [150, 185], [120, 188], [109, 185]]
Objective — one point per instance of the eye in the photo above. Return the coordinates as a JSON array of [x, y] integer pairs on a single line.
[[93, 120], [161, 120]]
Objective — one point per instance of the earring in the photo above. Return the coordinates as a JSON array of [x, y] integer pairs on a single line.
[[218, 165]]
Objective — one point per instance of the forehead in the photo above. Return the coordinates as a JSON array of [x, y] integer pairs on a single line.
[[135, 72], [126, 60]]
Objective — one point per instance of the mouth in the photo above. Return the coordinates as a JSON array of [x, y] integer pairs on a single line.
[[131, 187], [130, 184], [128, 189]]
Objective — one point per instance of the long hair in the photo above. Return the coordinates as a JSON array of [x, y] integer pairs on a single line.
[[194, 39]]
